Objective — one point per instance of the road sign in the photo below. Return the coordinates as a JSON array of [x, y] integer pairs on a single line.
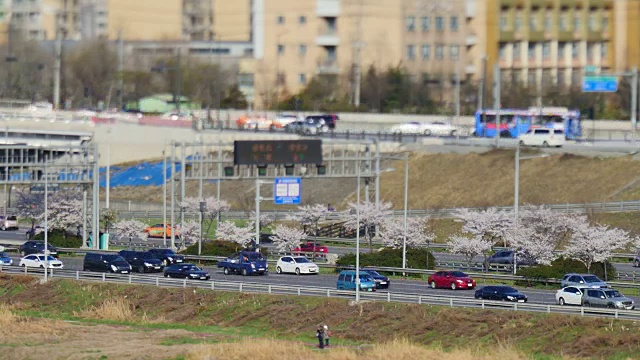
[[600, 84], [282, 152], [590, 69], [286, 190]]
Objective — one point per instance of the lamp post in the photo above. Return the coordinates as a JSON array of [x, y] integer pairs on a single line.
[[203, 209], [358, 234], [46, 221], [406, 200]]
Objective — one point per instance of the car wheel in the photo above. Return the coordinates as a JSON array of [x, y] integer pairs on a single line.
[[479, 297], [297, 271], [588, 304], [427, 132], [278, 270], [22, 265], [545, 144], [433, 284], [244, 272], [141, 269], [561, 301], [41, 266], [636, 263], [226, 271], [166, 275], [453, 286], [505, 134], [272, 127], [611, 306]]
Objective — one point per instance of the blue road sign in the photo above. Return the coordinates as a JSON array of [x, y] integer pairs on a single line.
[[287, 190], [599, 84]]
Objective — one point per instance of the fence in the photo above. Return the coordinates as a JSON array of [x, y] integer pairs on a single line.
[[329, 292]]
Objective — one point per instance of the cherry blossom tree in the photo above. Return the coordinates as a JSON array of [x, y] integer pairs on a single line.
[[591, 244], [190, 232], [229, 231], [470, 247], [287, 238], [266, 219], [65, 210], [549, 226], [371, 216], [213, 207], [418, 234], [490, 224], [310, 216], [129, 229], [531, 245], [30, 207]]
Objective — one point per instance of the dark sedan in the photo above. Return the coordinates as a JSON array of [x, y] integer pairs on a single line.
[[503, 293], [188, 271], [382, 282]]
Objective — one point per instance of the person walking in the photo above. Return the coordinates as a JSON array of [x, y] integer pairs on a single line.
[[320, 336], [327, 335]]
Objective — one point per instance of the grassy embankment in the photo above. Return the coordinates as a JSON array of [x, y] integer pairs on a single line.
[[95, 321]]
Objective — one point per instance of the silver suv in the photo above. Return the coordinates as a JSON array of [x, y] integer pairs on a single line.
[[583, 280], [609, 298]]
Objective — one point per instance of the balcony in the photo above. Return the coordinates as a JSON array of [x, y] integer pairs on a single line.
[[594, 36], [328, 67], [471, 40], [470, 8], [328, 8], [327, 37]]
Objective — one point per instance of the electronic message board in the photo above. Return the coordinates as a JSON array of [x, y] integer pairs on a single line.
[[277, 152]]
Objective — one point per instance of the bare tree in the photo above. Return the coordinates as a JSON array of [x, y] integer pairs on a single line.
[[93, 69]]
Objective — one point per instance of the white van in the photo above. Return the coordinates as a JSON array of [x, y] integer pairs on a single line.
[[543, 137]]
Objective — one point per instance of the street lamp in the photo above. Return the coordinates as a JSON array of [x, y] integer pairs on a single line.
[[203, 209], [358, 235], [178, 73]]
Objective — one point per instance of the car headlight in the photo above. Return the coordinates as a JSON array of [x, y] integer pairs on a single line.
[[253, 266], [114, 268], [510, 297], [619, 303], [267, 266], [194, 275], [147, 264], [169, 258]]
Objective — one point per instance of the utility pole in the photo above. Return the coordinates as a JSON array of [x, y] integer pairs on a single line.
[[178, 68], [482, 82], [458, 98], [496, 99], [120, 71], [56, 70], [358, 61], [634, 98]]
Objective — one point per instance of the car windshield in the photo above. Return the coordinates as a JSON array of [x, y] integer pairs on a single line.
[[49, 258], [114, 258], [13, 218], [254, 256], [507, 289], [168, 252], [373, 272], [301, 260], [592, 279], [612, 293], [458, 274]]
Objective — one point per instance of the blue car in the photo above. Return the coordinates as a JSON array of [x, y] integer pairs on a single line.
[[187, 271], [5, 259], [347, 281], [382, 282]]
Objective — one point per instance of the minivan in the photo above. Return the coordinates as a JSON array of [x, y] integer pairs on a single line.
[[8, 223], [141, 261], [347, 281], [105, 263], [543, 137]]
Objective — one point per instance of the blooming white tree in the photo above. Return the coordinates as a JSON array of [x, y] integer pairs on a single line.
[[287, 238], [130, 229], [490, 224], [418, 233], [30, 206], [590, 244], [469, 247], [311, 215], [65, 210], [213, 207], [371, 216], [190, 232], [531, 245], [229, 231], [266, 219], [549, 226]]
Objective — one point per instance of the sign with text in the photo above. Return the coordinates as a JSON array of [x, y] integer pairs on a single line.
[[286, 190], [599, 84], [277, 152]]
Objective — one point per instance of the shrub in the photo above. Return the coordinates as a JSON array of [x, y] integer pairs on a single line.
[[562, 266], [60, 238], [416, 259], [214, 248]]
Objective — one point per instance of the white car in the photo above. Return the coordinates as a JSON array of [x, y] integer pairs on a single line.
[[284, 120], [38, 260], [437, 128], [570, 295], [542, 137], [296, 264]]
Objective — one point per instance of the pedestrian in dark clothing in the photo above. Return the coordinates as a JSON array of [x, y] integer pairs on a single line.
[[320, 336]]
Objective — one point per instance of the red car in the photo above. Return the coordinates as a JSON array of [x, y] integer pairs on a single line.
[[451, 279], [309, 248]]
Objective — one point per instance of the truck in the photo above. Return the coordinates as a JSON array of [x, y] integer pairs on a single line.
[[245, 263]]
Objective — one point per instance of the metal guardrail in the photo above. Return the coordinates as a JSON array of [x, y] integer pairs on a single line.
[[329, 292]]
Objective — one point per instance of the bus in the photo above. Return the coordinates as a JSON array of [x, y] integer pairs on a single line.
[[514, 122]]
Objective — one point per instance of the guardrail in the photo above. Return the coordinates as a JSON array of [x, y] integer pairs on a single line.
[[329, 292]]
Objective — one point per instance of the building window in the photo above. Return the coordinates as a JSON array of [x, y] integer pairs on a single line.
[[302, 49], [411, 23], [533, 22], [604, 51], [517, 49], [546, 50], [561, 78], [281, 78], [503, 22], [562, 21], [561, 47], [531, 51], [453, 23], [502, 51], [425, 23], [518, 22], [302, 79], [454, 52], [575, 76], [591, 22], [439, 23], [411, 52], [280, 49], [280, 19], [547, 22], [439, 52], [576, 23], [575, 50], [590, 52], [605, 24], [531, 77], [302, 20], [426, 52]]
